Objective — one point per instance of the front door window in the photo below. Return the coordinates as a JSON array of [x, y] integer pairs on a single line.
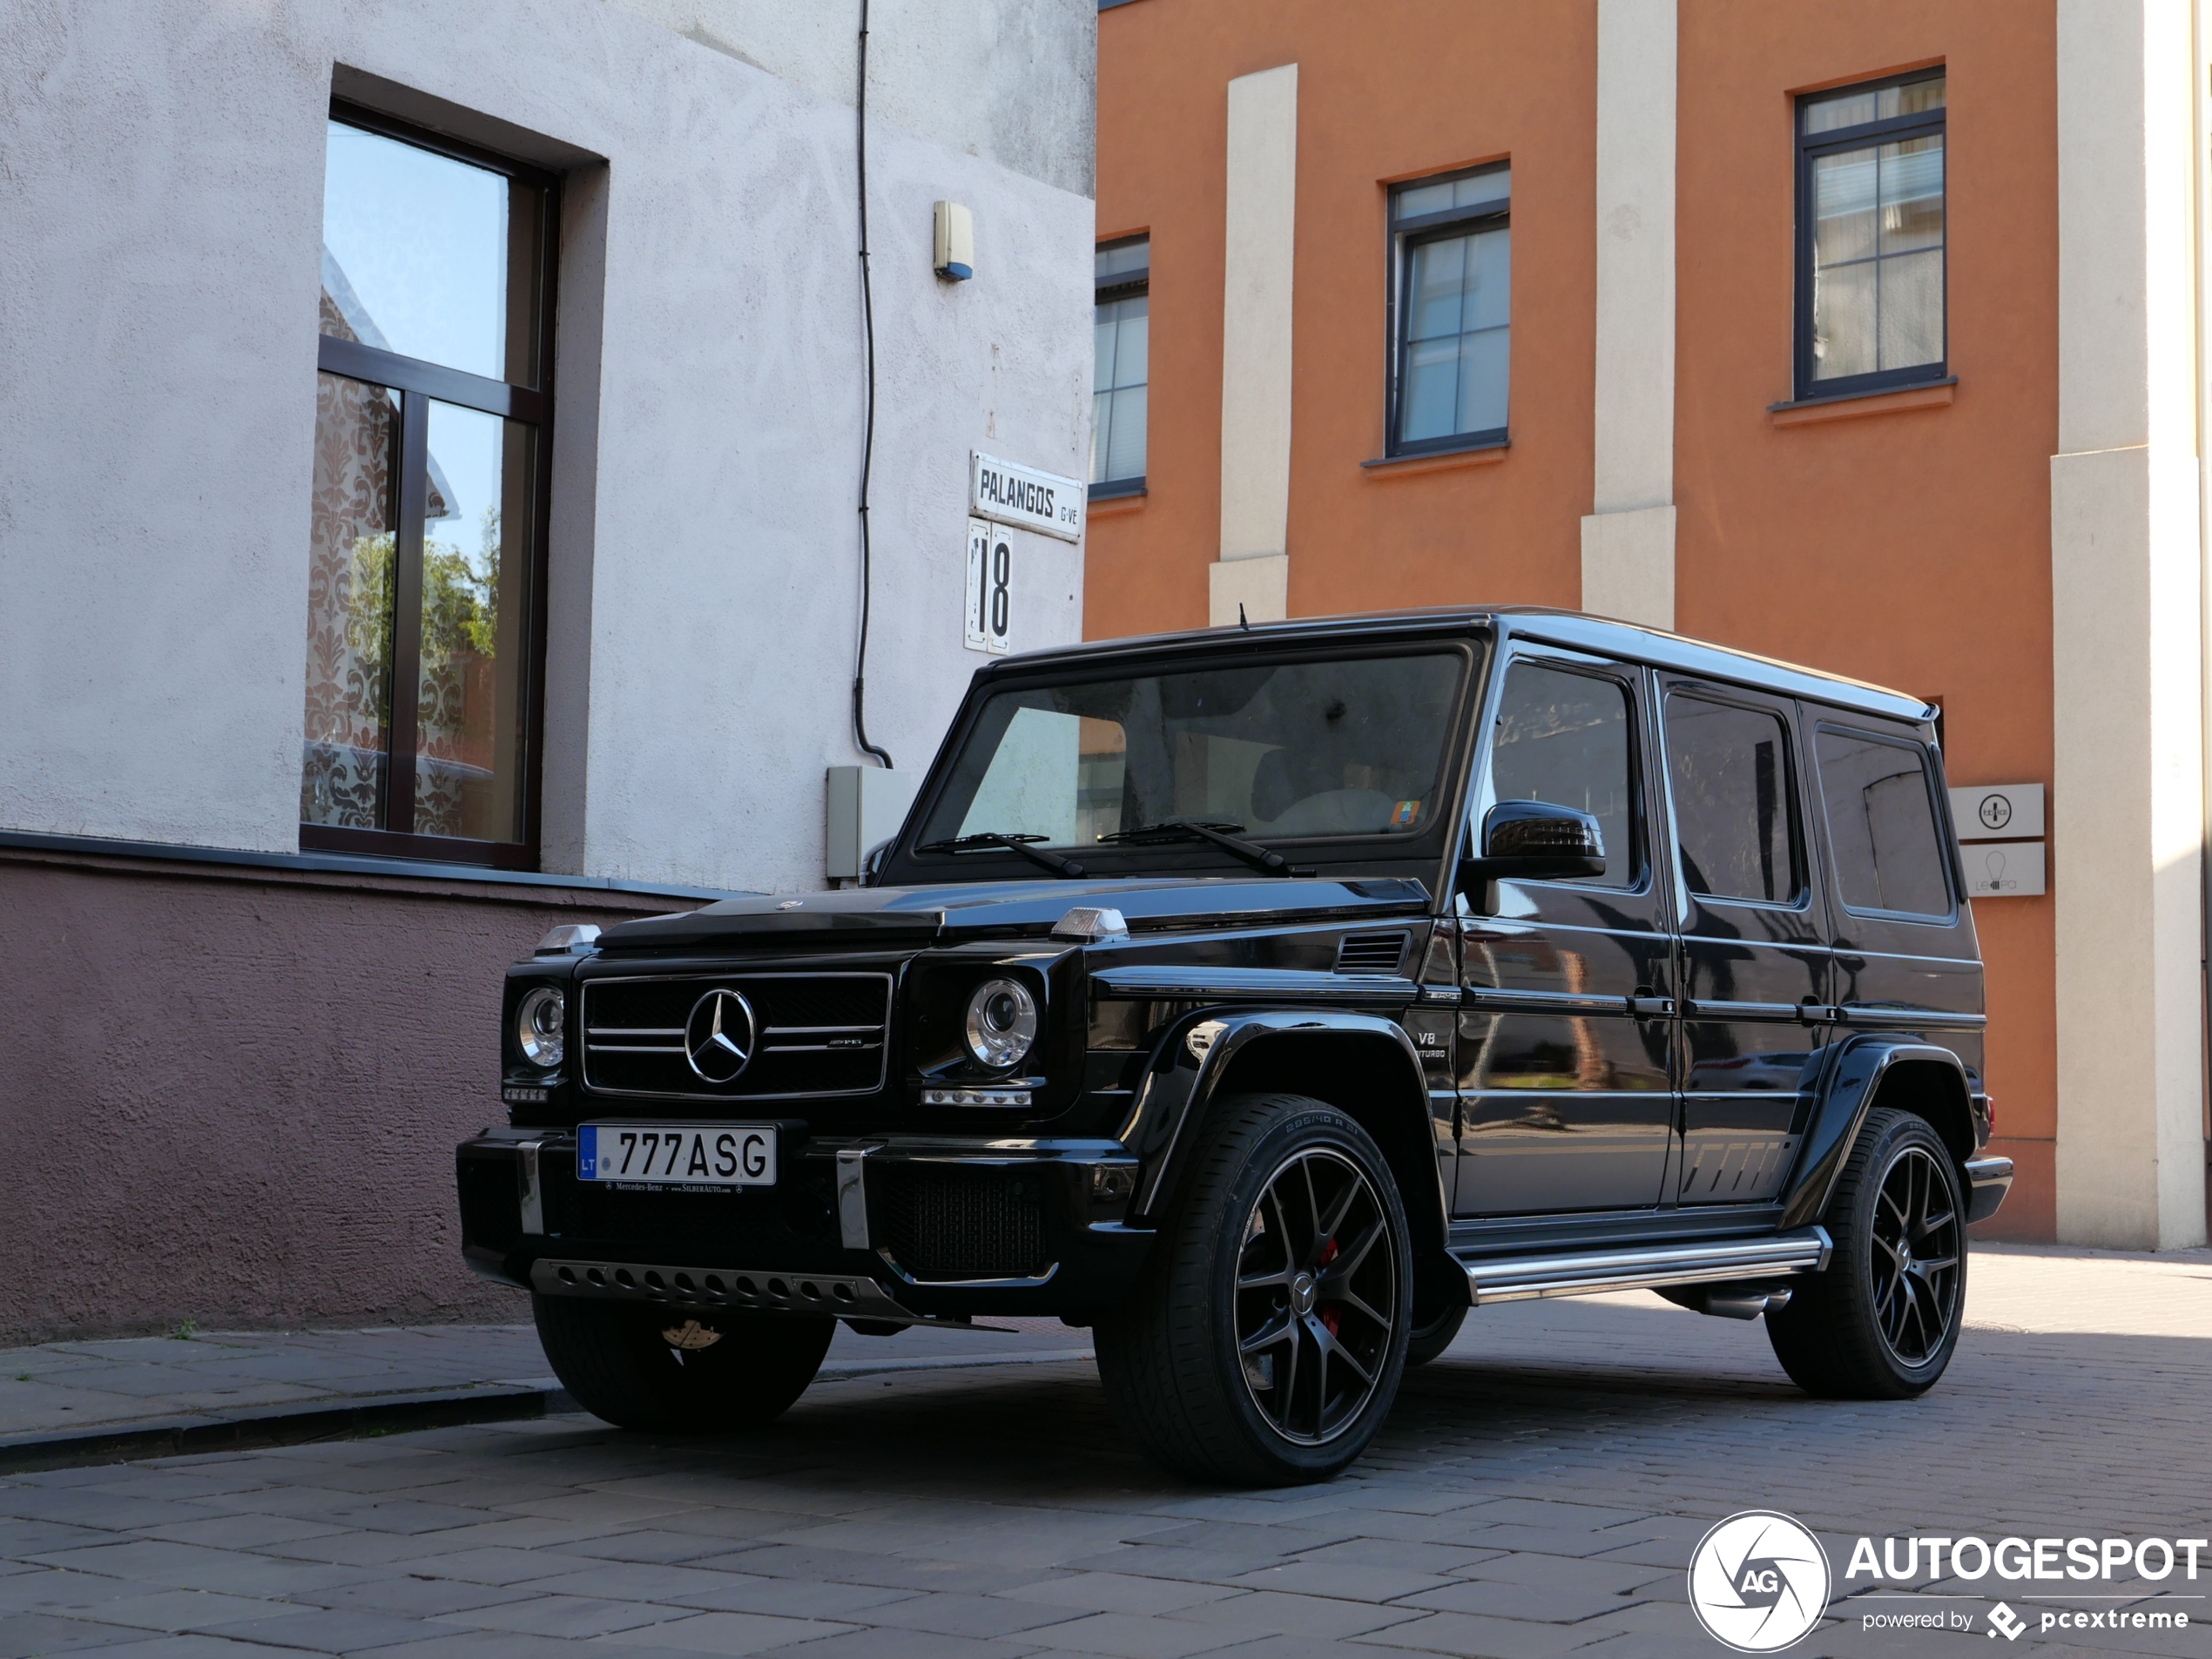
[[1566, 1092]]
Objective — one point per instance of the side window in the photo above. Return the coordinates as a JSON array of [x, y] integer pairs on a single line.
[[426, 556], [1451, 249], [1120, 388], [1882, 824], [1728, 771], [1564, 738]]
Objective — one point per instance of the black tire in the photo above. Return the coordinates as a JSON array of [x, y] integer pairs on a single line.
[[1883, 1321], [734, 1371], [1429, 1341], [1170, 1357]]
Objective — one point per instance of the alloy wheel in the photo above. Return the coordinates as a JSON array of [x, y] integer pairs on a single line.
[[1316, 1287], [1917, 1242]]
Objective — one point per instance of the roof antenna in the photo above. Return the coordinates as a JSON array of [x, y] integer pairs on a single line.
[[1241, 623]]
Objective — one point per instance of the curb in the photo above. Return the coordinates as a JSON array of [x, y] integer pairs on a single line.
[[315, 1419], [278, 1425]]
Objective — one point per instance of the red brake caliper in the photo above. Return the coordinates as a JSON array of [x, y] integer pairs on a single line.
[[1330, 1317]]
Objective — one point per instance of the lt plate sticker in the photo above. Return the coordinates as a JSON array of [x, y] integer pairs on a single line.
[[710, 1155]]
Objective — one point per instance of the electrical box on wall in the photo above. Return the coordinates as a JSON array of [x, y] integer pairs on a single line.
[[862, 806], [954, 242]]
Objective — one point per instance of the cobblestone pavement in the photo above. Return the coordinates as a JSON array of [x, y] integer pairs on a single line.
[[1537, 1493]]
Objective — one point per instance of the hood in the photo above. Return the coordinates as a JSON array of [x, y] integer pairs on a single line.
[[875, 917]]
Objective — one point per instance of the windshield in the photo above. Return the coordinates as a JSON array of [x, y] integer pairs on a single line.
[[1282, 750]]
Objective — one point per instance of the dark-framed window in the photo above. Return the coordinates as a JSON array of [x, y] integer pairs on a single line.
[[426, 603], [1870, 311], [1120, 385], [1451, 251]]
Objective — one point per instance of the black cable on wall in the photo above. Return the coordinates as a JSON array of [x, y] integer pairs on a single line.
[[867, 435]]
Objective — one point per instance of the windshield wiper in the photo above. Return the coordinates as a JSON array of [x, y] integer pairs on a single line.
[[1192, 829], [1011, 843]]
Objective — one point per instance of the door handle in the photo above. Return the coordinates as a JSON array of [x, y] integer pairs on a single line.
[[1652, 1007], [1815, 1011]]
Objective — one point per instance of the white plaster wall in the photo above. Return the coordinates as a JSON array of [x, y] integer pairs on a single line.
[[1628, 537], [2127, 802], [1012, 81], [1261, 239], [161, 181]]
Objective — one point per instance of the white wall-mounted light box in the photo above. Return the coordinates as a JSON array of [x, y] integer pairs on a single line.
[[954, 242]]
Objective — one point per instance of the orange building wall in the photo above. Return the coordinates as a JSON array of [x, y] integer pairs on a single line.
[[1385, 91], [1908, 547], [1911, 548]]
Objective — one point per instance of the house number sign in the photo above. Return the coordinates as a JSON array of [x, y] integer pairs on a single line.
[[990, 587]]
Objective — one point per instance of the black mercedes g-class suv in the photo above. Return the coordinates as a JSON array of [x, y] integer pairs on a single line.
[[1264, 999]]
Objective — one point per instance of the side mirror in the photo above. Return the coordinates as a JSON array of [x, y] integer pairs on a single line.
[[1534, 840]]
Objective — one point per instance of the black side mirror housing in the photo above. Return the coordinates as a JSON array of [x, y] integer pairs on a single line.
[[1534, 840]]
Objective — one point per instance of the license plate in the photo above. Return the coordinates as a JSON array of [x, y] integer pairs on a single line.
[[682, 1155]]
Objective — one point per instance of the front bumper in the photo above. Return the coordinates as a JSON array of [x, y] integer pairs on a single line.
[[887, 1228]]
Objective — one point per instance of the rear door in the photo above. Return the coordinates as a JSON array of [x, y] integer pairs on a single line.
[[1905, 950], [1755, 955], [1565, 1041]]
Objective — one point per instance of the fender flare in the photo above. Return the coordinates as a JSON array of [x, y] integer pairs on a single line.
[[1854, 1078], [1195, 1054]]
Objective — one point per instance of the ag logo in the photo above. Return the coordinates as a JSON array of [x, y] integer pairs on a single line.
[[1758, 1581]]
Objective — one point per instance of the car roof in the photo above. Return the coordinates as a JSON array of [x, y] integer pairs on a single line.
[[1575, 629]]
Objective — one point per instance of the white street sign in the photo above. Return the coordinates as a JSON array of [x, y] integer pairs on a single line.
[[2004, 869], [1012, 493], [1997, 811], [990, 598]]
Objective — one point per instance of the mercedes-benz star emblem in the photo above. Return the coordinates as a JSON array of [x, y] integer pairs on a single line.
[[718, 1037]]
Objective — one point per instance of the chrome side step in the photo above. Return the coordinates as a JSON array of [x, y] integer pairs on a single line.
[[1520, 1278]]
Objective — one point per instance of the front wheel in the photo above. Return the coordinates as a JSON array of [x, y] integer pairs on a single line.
[[645, 1366], [1882, 1322], [1264, 1344]]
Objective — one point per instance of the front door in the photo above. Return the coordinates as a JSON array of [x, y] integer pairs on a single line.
[[1755, 960], [1564, 1039]]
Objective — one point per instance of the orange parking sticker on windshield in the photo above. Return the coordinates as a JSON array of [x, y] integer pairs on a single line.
[[1403, 814]]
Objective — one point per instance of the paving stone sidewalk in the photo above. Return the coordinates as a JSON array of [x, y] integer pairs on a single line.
[[61, 1394], [1536, 1493]]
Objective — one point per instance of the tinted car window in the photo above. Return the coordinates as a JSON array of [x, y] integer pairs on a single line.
[[1882, 824], [1281, 749], [1728, 771], [1563, 738]]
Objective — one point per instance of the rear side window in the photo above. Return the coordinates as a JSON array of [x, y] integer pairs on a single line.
[[1882, 824], [1563, 738], [1728, 771]]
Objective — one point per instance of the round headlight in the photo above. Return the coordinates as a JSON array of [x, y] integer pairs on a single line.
[[540, 1027], [1001, 1022]]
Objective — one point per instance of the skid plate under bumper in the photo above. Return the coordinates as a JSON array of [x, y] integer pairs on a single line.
[[845, 1296]]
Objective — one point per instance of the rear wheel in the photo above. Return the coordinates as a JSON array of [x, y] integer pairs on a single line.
[[648, 1367], [1265, 1342], [1882, 1322]]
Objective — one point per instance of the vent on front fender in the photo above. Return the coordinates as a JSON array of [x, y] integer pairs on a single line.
[[1371, 952]]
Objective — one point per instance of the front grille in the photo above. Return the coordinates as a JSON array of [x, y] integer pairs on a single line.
[[941, 1224], [1371, 952], [819, 1034]]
